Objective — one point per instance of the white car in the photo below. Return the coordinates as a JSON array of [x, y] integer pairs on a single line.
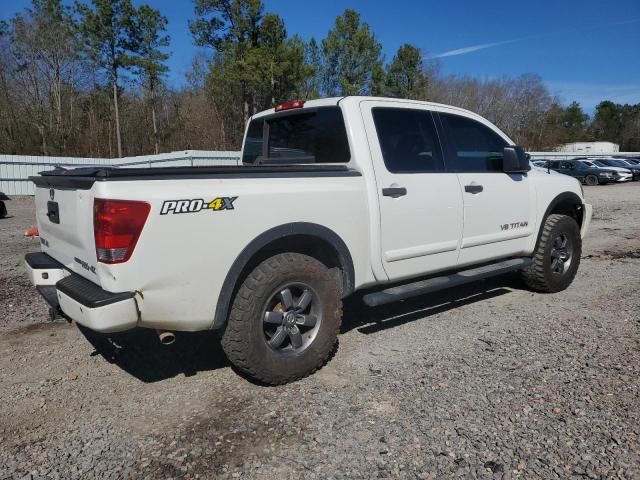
[[623, 174], [401, 197], [539, 163]]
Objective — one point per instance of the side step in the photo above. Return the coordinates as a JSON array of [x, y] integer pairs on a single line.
[[434, 284], [41, 261]]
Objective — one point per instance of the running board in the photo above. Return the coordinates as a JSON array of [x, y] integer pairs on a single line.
[[434, 284]]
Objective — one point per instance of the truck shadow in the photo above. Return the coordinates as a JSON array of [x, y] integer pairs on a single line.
[[368, 320], [139, 352]]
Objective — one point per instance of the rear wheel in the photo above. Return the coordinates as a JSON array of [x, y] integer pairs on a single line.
[[591, 180], [3, 210], [557, 257], [284, 320]]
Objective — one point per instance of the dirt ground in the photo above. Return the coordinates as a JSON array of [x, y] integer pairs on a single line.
[[485, 381]]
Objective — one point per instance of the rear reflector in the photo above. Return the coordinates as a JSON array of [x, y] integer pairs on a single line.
[[117, 224], [290, 105]]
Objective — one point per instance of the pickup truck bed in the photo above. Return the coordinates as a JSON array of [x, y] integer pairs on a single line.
[[85, 177]]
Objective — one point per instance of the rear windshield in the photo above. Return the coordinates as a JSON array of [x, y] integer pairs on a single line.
[[318, 136]]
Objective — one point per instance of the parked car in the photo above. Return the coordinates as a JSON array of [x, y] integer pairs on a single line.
[[624, 174], [630, 164], [3, 206], [540, 163], [589, 174], [614, 173], [632, 160], [411, 198]]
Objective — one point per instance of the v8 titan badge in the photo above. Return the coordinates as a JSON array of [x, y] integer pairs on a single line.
[[197, 205]]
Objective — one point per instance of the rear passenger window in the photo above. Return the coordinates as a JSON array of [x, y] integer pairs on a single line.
[[316, 137], [408, 140], [302, 136], [474, 147], [253, 142]]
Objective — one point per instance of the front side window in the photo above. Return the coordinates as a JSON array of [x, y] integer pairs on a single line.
[[474, 147], [408, 140]]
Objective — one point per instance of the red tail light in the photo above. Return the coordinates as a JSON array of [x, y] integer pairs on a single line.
[[290, 105], [117, 224]]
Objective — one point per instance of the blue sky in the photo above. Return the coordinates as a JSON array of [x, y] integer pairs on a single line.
[[585, 50]]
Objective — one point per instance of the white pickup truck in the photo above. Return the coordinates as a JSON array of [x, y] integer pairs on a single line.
[[401, 197]]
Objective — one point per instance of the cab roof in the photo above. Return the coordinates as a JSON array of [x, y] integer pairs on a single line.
[[333, 101]]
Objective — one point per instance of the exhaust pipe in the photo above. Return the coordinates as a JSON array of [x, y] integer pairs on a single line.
[[166, 338]]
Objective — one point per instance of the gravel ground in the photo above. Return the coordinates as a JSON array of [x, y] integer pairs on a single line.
[[487, 381]]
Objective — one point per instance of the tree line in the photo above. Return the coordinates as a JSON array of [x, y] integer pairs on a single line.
[[90, 79]]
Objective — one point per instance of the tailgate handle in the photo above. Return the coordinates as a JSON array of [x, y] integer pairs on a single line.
[[53, 212]]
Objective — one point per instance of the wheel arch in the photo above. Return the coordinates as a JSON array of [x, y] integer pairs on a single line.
[[311, 239], [567, 203]]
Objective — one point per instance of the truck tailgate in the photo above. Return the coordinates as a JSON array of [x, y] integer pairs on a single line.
[[65, 222]]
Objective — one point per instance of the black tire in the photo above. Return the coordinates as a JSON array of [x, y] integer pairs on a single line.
[[591, 180], [3, 210], [545, 274], [248, 338]]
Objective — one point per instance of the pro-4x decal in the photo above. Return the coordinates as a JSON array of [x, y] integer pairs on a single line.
[[197, 205]]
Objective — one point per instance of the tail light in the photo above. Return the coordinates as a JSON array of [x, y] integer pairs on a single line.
[[289, 105], [117, 224]]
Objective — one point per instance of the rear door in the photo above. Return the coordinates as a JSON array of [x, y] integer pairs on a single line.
[[497, 206], [420, 204]]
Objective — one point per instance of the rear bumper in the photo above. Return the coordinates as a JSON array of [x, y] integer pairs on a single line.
[[44, 270], [80, 299]]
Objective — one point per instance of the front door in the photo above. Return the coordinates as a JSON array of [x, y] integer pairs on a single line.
[[420, 204], [497, 206]]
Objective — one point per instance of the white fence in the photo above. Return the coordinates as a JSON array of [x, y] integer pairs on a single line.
[[15, 170]]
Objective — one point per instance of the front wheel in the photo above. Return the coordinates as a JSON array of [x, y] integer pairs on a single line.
[[284, 320], [591, 180], [557, 256]]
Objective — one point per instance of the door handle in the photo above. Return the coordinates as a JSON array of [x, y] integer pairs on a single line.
[[473, 188], [394, 192]]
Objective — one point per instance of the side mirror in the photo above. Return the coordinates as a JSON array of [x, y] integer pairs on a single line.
[[515, 160]]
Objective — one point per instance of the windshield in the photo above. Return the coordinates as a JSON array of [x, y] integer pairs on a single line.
[[588, 163], [616, 163]]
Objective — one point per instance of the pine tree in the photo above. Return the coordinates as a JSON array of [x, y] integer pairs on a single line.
[[147, 41], [106, 30], [351, 55], [405, 77]]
